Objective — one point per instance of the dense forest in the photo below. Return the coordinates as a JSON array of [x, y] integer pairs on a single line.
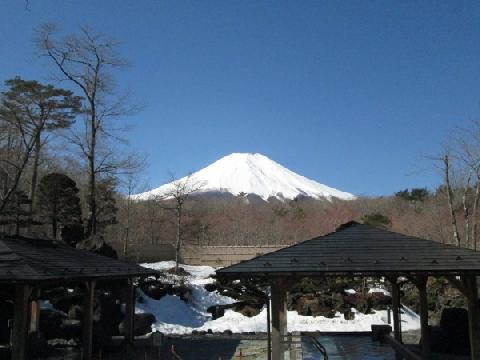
[[67, 172]]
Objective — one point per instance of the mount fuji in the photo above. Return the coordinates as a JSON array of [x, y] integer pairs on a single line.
[[255, 174]]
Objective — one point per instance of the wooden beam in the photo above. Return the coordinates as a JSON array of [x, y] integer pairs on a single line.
[[269, 330], [129, 312], [20, 322], [279, 319], [470, 284], [87, 327], [34, 316], [421, 284], [397, 331]]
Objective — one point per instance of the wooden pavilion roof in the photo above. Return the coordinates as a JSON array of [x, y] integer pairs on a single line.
[[359, 249], [33, 260]]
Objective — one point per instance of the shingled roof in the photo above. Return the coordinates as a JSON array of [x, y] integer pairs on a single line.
[[26, 260], [359, 249]]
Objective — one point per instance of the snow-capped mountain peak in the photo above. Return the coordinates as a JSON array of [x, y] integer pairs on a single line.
[[253, 174]]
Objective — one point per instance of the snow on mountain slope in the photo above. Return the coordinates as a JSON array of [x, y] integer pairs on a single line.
[[253, 174]]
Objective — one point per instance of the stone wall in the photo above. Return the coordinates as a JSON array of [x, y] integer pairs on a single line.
[[148, 253], [221, 256], [216, 256]]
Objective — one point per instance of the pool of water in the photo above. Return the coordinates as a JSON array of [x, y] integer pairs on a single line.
[[349, 347]]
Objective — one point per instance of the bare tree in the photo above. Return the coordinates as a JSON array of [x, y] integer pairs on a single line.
[[178, 192], [461, 171], [468, 154], [86, 59], [450, 194], [129, 180]]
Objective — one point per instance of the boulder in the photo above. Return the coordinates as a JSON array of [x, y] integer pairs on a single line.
[[37, 345], [349, 315], [439, 340], [110, 314], [50, 324], [142, 324], [5, 315], [359, 301], [247, 309], [179, 272], [64, 300], [217, 311], [183, 292], [211, 287], [454, 321], [75, 312], [97, 244], [378, 300], [71, 329], [314, 305]]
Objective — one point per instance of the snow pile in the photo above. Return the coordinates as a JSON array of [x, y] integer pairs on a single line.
[[253, 174], [175, 316]]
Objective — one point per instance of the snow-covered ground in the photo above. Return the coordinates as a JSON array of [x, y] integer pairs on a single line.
[[175, 316]]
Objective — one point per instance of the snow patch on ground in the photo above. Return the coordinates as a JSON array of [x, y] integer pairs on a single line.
[[174, 316], [379, 290]]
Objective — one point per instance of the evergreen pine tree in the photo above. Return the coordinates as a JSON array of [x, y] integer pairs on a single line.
[[58, 201]]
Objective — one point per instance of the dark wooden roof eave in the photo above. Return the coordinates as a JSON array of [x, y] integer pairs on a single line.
[[33, 261], [72, 279], [299, 274], [360, 250]]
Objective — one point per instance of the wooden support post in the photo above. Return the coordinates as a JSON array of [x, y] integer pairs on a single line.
[[397, 331], [471, 292], [87, 327], [269, 330], [421, 284], [279, 319], [129, 312], [20, 322], [34, 316]]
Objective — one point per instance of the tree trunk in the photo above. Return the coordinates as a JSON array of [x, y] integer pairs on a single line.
[[456, 236], [54, 228], [16, 180], [127, 228], [474, 215], [178, 245], [466, 211], [33, 182], [92, 199]]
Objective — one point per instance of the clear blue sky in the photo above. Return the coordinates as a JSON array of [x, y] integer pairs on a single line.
[[349, 93]]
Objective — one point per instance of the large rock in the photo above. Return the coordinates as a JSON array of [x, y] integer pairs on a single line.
[[454, 321], [111, 315], [63, 300], [50, 324], [439, 340], [97, 244], [142, 324], [71, 329], [378, 300], [6, 314], [247, 309], [242, 307], [311, 305]]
